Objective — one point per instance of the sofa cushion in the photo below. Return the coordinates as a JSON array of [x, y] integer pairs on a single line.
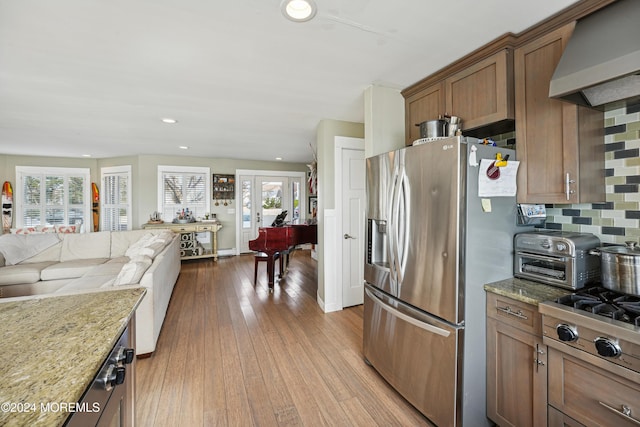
[[133, 271], [86, 245], [22, 273], [111, 267], [86, 283], [70, 269], [52, 253]]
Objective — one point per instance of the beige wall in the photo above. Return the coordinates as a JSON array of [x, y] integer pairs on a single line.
[[383, 119], [326, 132], [144, 170]]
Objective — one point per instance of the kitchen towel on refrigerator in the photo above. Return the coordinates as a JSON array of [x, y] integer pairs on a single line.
[[504, 185]]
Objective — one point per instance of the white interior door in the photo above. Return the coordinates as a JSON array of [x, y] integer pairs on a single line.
[[263, 197], [353, 213]]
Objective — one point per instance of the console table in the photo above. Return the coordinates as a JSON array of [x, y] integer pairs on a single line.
[[190, 247]]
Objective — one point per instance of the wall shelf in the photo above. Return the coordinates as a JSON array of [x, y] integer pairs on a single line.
[[224, 188]]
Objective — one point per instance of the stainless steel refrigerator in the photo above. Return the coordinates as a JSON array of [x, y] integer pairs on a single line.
[[431, 246]]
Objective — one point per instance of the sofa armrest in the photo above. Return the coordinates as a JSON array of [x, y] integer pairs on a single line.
[[159, 280]]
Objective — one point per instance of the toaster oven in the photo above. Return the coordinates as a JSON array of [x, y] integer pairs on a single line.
[[556, 258]]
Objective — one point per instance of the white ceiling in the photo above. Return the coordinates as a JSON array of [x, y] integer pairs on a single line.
[[95, 77]]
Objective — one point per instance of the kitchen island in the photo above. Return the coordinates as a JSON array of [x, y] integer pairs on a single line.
[[52, 347]]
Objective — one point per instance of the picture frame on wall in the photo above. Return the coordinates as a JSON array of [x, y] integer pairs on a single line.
[[313, 204]]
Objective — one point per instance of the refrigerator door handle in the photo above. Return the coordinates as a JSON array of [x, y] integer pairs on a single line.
[[392, 233], [403, 220], [398, 239], [408, 319]]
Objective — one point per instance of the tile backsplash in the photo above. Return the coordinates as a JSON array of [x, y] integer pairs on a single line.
[[617, 219]]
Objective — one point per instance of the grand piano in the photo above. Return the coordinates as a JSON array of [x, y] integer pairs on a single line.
[[280, 241]]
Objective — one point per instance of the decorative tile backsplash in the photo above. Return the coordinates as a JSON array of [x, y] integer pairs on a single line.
[[618, 219]]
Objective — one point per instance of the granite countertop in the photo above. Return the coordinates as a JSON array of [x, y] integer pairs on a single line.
[[526, 291], [53, 346]]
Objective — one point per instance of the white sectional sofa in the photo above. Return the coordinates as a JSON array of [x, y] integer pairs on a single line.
[[58, 263]]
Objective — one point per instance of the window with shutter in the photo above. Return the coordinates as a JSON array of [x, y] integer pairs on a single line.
[[116, 199], [52, 196], [181, 189]]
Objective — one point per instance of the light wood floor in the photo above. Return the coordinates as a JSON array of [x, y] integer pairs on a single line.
[[231, 354]]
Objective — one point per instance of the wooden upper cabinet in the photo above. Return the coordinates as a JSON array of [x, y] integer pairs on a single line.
[[428, 104], [482, 94], [560, 145]]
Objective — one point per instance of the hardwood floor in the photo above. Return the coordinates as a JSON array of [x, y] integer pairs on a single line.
[[231, 354]]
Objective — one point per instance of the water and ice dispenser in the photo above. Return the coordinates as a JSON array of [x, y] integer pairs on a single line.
[[377, 243]]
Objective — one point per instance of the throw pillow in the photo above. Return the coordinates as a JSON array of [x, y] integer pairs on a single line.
[[153, 249], [25, 230], [134, 249], [66, 228], [133, 271]]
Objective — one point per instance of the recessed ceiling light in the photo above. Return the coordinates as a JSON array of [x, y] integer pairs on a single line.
[[298, 10], [278, 158], [86, 155], [183, 147], [169, 120]]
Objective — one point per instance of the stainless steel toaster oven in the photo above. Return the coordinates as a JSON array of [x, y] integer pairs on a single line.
[[556, 258]]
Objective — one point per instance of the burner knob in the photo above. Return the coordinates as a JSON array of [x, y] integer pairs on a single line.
[[566, 332], [112, 376], [607, 347], [125, 355]]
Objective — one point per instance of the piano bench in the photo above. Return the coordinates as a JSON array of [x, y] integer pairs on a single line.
[[262, 257]]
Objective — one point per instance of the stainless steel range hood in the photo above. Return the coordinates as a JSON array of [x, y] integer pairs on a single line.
[[601, 63]]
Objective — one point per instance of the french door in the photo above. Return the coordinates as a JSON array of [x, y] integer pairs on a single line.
[[264, 196]]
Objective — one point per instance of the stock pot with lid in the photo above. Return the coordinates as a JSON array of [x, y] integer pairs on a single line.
[[433, 128], [620, 266]]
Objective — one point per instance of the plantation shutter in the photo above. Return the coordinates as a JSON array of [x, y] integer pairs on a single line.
[[115, 201], [51, 196], [184, 191]]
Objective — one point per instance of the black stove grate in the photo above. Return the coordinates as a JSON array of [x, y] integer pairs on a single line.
[[605, 302]]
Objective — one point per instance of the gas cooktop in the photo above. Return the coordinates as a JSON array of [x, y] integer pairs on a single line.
[[596, 320], [605, 302]]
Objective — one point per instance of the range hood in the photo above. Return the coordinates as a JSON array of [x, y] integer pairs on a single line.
[[601, 62]]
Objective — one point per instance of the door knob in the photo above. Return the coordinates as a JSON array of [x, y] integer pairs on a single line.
[[348, 236]]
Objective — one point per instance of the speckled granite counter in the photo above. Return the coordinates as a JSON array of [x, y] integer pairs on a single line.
[[52, 347], [526, 290]]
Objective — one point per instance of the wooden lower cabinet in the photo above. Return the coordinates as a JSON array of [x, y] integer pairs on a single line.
[[516, 364], [558, 419], [592, 391]]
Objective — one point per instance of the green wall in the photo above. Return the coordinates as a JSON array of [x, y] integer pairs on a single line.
[[144, 170], [326, 133]]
